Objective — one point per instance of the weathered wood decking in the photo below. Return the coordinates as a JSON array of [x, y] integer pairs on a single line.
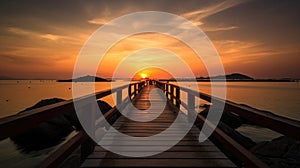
[[187, 153]]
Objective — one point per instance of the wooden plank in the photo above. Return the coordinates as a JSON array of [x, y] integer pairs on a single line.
[[185, 140], [169, 155], [146, 134], [208, 162], [170, 131], [157, 148], [149, 143], [166, 138]]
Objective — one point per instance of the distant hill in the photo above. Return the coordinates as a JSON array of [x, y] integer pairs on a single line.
[[229, 77], [87, 78], [238, 76], [234, 76], [243, 78]]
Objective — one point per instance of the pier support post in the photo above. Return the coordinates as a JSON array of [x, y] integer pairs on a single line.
[[129, 91], [172, 94], [166, 90], [87, 147], [177, 97], [134, 88], [119, 97], [191, 106]]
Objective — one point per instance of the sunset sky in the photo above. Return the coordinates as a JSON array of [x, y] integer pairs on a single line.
[[41, 39]]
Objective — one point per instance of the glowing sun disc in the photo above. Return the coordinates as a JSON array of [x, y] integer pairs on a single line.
[[144, 76]]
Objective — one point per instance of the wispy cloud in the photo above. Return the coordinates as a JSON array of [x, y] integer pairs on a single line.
[[19, 31], [215, 29], [98, 21], [51, 37], [197, 16], [28, 33], [245, 52], [24, 60], [202, 13]]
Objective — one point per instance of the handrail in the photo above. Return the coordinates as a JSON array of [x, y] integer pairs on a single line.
[[18, 123], [272, 121], [277, 123]]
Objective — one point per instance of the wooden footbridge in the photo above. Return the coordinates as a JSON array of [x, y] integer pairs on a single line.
[[188, 152]]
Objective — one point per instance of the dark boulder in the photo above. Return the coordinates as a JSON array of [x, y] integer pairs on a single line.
[[282, 152], [239, 138], [42, 103], [227, 124], [46, 134], [230, 119], [53, 131]]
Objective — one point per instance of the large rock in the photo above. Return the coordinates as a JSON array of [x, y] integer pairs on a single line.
[[227, 124], [46, 134], [241, 139], [231, 119], [282, 152], [51, 132]]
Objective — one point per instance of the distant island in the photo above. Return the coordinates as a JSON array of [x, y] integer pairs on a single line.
[[87, 78], [234, 77]]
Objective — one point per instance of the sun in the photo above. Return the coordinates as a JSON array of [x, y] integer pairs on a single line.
[[143, 75]]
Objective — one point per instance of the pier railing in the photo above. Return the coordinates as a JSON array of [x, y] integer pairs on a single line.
[[16, 124], [276, 123]]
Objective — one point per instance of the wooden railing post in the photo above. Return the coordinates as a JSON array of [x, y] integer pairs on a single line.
[[87, 147], [119, 97], [166, 89], [191, 106], [134, 88], [140, 87], [177, 97], [129, 91], [172, 94]]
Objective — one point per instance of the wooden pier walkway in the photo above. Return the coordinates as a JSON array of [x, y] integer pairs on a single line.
[[187, 153]]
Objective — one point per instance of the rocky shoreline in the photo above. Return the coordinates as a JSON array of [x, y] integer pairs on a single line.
[[280, 152]]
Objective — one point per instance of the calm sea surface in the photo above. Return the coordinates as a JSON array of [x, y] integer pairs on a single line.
[[282, 98]]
